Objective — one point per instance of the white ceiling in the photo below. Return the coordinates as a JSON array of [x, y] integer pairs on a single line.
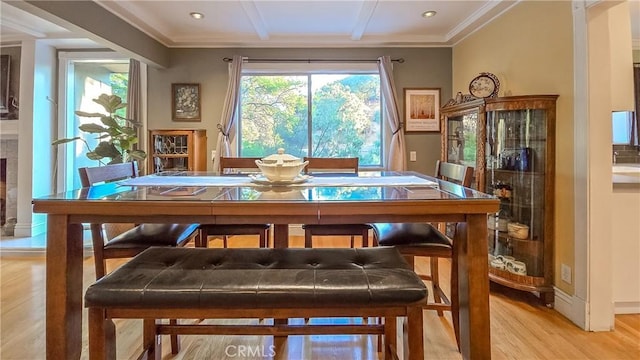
[[282, 23]]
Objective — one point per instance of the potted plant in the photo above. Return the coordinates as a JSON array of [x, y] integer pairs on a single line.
[[117, 134]]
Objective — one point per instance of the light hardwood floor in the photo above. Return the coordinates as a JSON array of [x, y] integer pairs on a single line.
[[521, 328]]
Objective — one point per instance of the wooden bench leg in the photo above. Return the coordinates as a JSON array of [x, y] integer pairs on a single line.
[[102, 336], [151, 341], [390, 344], [414, 329]]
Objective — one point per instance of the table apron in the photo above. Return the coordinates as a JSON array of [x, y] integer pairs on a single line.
[[259, 219]]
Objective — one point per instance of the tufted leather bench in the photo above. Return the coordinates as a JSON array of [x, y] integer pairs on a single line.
[[181, 283]]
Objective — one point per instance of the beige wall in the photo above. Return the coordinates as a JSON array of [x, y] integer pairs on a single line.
[[636, 56], [423, 67], [530, 49]]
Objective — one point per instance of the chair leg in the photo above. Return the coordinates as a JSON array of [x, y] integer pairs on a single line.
[[175, 342], [98, 245], [308, 243], [435, 282], [365, 238], [225, 242], [263, 239], [353, 243], [204, 238], [455, 302]]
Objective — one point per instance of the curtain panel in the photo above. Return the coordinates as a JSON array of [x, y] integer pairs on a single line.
[[396, 159], [134, 101], [223, 144]]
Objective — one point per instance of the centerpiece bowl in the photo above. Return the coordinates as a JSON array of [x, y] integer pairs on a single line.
[[281, 167]]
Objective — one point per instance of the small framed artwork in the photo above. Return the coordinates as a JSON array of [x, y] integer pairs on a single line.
[[185, 103], [421, 110]]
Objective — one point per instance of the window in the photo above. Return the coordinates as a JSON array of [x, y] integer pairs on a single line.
[[621, 126], [83, 77], [314, 112]]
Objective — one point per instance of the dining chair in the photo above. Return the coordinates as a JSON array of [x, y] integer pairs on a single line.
[[429, 240], [236, 165], [348, 166], [135, 238]]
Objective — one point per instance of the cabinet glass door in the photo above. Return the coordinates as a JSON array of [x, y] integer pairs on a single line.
[[515, 160], [170, 152], [461, 139]]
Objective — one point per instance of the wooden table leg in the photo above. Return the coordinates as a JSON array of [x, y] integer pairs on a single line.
[[470, 247], [280, 240], [280, 235], [64, 288]]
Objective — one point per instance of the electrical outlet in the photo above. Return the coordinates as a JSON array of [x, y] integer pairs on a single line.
[[565, 273], [412, 156]]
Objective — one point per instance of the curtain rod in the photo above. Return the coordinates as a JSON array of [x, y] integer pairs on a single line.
[[399, 60]]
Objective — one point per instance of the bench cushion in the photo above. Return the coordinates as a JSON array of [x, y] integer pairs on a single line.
[[259, 278]]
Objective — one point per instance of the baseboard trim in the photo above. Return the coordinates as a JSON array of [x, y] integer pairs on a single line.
[[571, 307], [34, 252], [626, 307]]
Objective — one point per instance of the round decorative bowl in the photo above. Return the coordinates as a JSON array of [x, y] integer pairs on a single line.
[[281, 167]]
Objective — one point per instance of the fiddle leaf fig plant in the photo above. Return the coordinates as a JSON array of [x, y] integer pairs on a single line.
[[117, 135]]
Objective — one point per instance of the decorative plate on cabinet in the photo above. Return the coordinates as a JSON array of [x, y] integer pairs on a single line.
[[485, 85]]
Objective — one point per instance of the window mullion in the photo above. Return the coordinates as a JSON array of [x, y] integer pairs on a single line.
[[309, 117]]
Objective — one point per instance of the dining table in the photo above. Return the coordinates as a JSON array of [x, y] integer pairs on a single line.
[[209, 198]]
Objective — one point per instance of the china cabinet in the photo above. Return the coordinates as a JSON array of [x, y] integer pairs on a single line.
[[177, 150], [511, 143]]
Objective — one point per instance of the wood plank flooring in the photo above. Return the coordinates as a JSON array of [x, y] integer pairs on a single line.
[[521, 328]]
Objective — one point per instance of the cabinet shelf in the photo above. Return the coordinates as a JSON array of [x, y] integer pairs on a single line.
[[517, 172], [171, 156], [511, 129]]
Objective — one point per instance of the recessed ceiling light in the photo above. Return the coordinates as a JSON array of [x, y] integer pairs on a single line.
[[196, 15], [428, 14]]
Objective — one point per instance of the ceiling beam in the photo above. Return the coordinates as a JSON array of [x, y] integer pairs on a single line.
[[255, 18], [366, 12]]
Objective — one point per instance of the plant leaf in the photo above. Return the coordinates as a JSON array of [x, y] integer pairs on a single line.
[[138, 154], [116, 160], [124, 143], [109, 122], [131, 132], [92, 128], [87, 114], [92, 155], [64, 141], [108, 102], [108, 150], [120, 106]]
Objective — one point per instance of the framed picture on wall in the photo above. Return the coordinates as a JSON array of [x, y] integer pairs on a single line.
[[185, 103], [421, 110]]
